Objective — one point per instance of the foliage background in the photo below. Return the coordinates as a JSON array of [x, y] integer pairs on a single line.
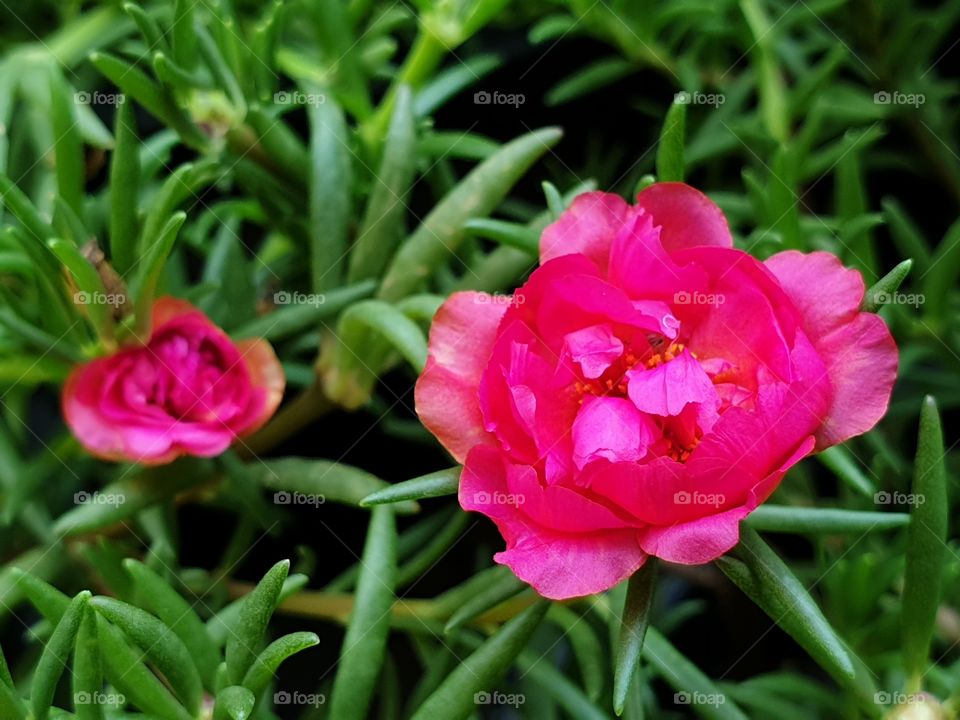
[[283, 193]]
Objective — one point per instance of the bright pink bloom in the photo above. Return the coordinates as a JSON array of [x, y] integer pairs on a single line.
[[190, 390], [647, 387]]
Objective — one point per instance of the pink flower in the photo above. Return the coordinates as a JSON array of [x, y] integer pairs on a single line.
[[647, 387], [189, 391]]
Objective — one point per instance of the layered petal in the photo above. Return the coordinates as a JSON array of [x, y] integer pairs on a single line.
[[461, 340], [587, 228], [687, 218], [857, 348]]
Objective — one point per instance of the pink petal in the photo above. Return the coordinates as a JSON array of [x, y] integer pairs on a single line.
[[612, 429], [561, 566], [587, 227], [461, 339], [859, 353], [665, 390], [696, 542], [266, 375], [595, 348], [686, 216]]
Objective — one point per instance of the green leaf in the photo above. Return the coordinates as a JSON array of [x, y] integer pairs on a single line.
[[87, 683], [234, 703], [182, 183], [68, 147], [365, 642], [454, 698], [506, 233], [670, 166], [633, 628], [148, 276], [774, 108], [155, 100], [594, 76], [126, 497], [179, 615], [944, 270], [478, 194], [757, 570], [255, 613], [330, 188], [501, 588], [383, 220], [822, 521], [267, 662], [389, 322], [906, 236], [53, 660], [49, 602], [436, 484], [879, 293], [586, 647], [926, 543], [290, 320], [221, 625], [92, 295], [183, 37], [124, 191], [161, 645], [839, 460], [686, 678], [321, 480], [125, 670], [566, 693], [555, 201], [427, 556]]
